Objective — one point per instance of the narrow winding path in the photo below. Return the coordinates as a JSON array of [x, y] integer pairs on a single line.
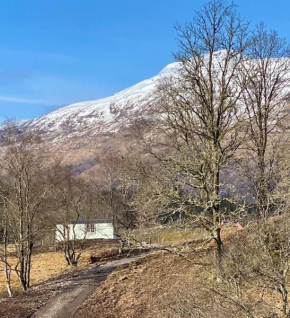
[[78, 288]]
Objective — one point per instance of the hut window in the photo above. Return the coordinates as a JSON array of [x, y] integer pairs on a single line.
[[90, 228]]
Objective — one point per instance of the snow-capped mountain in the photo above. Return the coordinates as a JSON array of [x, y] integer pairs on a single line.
[[80, 133], [102, 116]]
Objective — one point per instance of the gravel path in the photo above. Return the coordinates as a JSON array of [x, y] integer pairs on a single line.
[[77, 289]]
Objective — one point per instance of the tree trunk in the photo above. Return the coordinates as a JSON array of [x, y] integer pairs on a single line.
[[5, 257], [216, 203], [284, 293], [262, 200]]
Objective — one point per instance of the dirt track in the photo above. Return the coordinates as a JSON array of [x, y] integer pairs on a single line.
[[77, 289]]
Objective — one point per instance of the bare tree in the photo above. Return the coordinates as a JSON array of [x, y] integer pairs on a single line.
[[5, 241], [76, 204], [250, 281], [24, 190], [115, 188], [265, 98], [258, 264], [199, 119]]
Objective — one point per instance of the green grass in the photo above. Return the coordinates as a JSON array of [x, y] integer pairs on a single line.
[[178, 235]]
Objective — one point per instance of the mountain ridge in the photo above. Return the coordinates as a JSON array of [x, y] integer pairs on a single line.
[[84, 131], [107, 115]]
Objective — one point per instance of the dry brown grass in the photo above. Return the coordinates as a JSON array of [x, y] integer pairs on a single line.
[[44, 267], [164, 285], [160, 285], [51, 264], [137, 290]]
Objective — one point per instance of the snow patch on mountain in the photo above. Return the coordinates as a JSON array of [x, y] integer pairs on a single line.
[[110, 114]]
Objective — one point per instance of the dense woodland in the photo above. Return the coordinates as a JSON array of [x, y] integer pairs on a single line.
[[212, 149]]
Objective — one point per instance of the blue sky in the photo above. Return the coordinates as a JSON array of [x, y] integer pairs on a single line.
[[58, 52]]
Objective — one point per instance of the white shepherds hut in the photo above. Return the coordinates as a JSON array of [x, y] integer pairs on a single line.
[[84, 229]]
